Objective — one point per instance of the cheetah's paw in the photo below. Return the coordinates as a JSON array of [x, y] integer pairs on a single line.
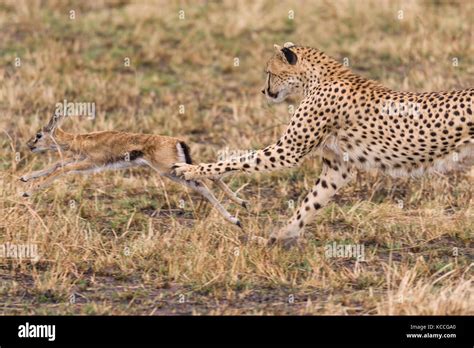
[[286, 240], [186, 171]]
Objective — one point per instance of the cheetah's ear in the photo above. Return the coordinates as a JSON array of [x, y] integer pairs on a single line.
[[286, 53], [290, 55]]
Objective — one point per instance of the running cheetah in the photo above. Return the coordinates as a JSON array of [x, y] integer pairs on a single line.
[[352, 123]]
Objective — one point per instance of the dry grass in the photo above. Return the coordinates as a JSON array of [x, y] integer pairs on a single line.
[[120, 243]]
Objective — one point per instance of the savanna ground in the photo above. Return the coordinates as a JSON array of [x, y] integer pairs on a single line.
[[131, 243]]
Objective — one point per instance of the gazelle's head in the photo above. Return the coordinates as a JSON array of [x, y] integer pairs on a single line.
[[44, 140]]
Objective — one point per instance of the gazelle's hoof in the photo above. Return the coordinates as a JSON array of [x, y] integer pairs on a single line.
[[245, 204], [235, 221], [238, 223], [26, 194], [24, 179]]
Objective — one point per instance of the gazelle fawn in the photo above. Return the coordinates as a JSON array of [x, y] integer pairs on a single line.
[[111, 150]]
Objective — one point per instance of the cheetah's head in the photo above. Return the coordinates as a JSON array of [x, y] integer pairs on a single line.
[[283, 74]]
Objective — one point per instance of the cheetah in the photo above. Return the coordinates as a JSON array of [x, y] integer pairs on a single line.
[[353, 123]]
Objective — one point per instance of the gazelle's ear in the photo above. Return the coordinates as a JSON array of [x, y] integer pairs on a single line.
[[53, 122]]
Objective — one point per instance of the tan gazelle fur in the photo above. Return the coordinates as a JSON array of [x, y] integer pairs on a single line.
[[94, 152]]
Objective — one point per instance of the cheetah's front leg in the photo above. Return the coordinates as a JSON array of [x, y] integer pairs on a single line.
[[271, 158], [287, 152], [335, 174]]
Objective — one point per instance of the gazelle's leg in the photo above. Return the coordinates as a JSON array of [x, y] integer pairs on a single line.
[[79, 167], [229, 193], [204, 191], [47, 171]]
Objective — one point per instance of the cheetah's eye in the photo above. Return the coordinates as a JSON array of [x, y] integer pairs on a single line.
[[38, 135]]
